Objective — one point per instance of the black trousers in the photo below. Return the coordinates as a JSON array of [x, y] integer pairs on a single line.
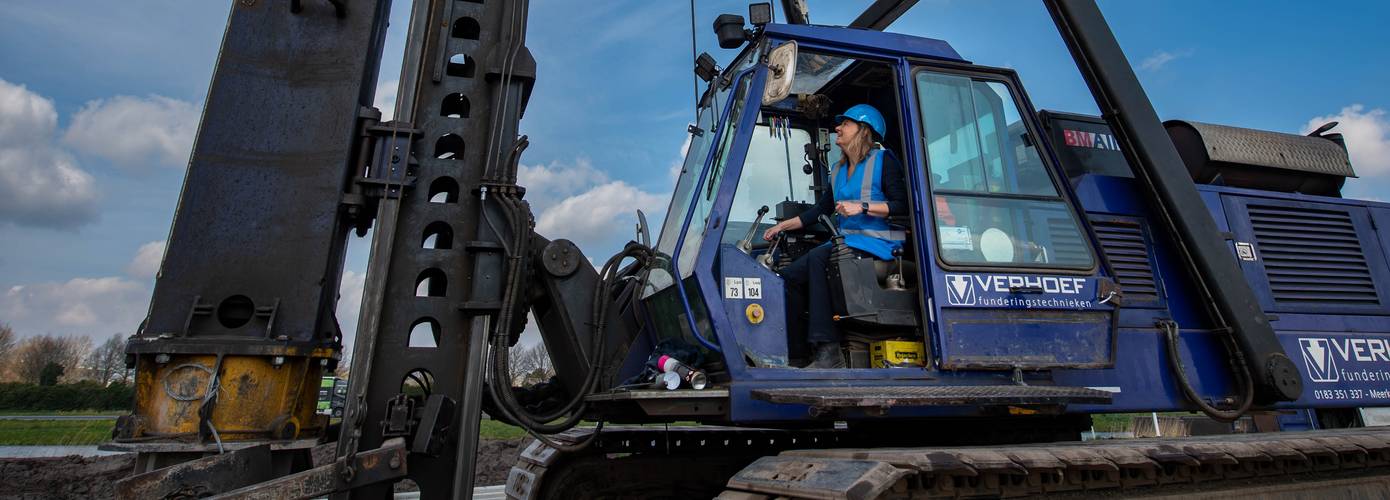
[[808, 289]]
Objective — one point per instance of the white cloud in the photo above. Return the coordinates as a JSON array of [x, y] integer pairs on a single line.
[[134, 132], [350, 303], [147, 259], [1161, 58], [673, 172], [1367, 134], [579, 202], [40, 185], [79, 306], [600, 219], [386, 98], [547, 185]]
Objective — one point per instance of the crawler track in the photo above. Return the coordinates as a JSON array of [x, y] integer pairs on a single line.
[[754, 464]]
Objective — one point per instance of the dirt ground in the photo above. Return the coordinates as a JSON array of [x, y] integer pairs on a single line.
[[93, 477]]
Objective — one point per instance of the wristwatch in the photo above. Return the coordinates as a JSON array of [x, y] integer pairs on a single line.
[[864, 205]]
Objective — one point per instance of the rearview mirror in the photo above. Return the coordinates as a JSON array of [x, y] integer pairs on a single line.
[[781, 67], [644, 235]]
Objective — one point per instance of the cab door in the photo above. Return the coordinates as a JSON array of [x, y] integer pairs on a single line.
[[1014, 276]]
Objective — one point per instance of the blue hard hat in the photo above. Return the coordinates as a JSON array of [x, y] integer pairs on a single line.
[[866, 114]]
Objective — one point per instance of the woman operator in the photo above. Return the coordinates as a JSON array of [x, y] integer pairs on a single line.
[[867, 186]]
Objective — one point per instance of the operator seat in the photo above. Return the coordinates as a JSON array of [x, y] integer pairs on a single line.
[[863, 296]]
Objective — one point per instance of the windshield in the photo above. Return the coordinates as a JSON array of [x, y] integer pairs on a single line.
[[772, 173], [701, 136], [814, 70], [704, 200]]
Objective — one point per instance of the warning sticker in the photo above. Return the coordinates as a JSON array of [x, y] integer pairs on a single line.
[[956, 238], [733, 288], [752, 288]]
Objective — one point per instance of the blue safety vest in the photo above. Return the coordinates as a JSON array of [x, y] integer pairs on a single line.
[[866, 232]]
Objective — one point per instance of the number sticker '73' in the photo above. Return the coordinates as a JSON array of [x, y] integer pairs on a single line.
[[743, 288]]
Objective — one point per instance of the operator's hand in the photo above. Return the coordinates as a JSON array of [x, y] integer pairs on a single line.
[[776, 228], [848, 209]]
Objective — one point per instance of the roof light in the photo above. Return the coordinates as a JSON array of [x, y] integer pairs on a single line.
[[760, 13]]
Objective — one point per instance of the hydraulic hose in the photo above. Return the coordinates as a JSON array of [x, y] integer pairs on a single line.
[[1238, 367], [540, 425]]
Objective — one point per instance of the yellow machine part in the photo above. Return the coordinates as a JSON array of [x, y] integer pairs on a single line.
[[897, 353], [256, 398]]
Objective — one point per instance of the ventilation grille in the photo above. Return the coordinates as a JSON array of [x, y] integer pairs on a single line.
[[1127, 252], [1312, 256], [1067, 245]]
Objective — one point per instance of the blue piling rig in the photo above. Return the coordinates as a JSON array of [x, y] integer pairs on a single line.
[[1316, 264]]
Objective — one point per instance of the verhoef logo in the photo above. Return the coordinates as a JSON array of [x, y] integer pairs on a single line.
[[1317, 356], [960, 291]]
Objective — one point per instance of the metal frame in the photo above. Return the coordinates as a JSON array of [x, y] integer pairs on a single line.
[[390, 307]]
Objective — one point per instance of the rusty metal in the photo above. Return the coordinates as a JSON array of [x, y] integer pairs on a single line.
[[382, 464], [816, 478], [202, 477], [241, 321], [250, 398]]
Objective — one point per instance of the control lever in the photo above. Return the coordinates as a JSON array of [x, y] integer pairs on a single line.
[[896, 281], [829, 226], [746, 244], [766, 258]]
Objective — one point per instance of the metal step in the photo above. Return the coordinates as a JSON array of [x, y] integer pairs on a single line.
[[899, 396]]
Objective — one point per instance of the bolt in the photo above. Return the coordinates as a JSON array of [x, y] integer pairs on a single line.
[[277, 361], [395, 462], [161, 358]]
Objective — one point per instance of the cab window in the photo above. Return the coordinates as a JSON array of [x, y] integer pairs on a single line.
[[995, 203], [704, 198], [772, 173]]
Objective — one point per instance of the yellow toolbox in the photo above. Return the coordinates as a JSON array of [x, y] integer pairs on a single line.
[[897, 354]]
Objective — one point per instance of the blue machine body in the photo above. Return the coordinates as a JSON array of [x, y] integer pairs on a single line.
[[985, 325]]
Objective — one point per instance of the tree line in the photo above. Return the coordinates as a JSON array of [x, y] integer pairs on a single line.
[[48, 360]]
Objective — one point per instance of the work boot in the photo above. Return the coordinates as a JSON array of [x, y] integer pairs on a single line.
[[827, 355]]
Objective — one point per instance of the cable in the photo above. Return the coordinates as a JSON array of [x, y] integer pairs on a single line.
[[694, 79], [573, 410], [1238, 366]]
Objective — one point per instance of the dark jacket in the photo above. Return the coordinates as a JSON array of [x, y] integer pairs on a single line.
[[894, 188]]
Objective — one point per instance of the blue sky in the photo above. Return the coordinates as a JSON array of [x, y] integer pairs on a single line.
[[99, 103]]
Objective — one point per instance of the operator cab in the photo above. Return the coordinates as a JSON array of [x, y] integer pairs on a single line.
[[992, 236], [788, 164]]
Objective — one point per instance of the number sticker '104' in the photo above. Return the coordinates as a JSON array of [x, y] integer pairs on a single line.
[[743, 288]]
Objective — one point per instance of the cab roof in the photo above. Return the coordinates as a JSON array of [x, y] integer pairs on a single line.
[[895, 44]]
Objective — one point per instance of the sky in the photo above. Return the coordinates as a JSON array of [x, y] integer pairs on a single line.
[[100, 103]]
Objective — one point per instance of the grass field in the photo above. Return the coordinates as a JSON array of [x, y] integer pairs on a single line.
[[7, 413], [1121, 422], [492, 429], [55, 432]]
